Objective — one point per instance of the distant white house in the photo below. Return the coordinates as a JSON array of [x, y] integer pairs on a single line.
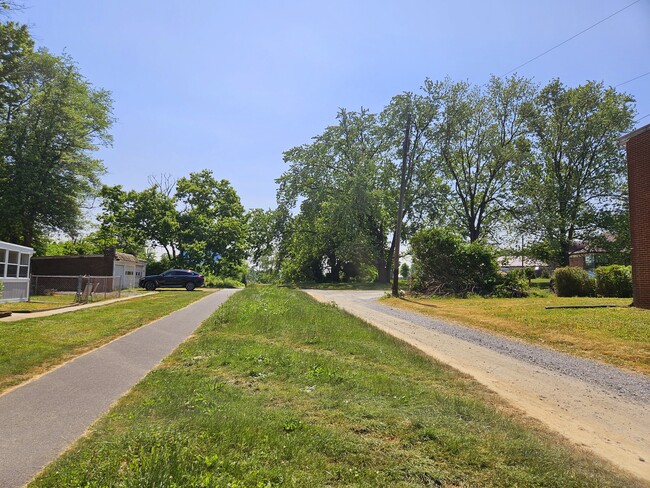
[[510, 263], [14, 272]]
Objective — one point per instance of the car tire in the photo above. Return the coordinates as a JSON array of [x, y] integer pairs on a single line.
[[189, 286], [150, 286]]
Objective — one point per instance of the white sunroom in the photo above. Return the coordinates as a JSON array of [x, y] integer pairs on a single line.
[[14, 272]]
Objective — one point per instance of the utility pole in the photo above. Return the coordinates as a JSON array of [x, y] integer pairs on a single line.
[[400, 207]]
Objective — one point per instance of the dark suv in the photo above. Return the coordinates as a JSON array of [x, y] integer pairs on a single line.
[[171, 278]]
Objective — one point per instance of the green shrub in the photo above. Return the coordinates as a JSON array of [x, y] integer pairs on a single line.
[[573, 282], [444, 264], [212, 281], [614, 281], [529, 273], [513, 285]]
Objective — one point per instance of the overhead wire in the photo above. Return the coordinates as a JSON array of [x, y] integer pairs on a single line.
[[572, 37], [635, 78]]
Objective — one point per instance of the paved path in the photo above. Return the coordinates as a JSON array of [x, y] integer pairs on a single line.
[[41, 418], [596, 406]]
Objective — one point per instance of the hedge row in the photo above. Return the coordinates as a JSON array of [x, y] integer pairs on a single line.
[[610, 281]]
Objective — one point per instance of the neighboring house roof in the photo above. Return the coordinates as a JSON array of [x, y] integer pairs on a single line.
[[119, 256], [623, 140], [122, 256], [515, 261], [16, 247], [584, 251]]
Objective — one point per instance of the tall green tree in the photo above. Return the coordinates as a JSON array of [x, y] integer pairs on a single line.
[[338, 182], [416, 174], [51, 121], [481, 142], [119, 223], [212, 225], [578, 169], [347, 182], [265, 231]]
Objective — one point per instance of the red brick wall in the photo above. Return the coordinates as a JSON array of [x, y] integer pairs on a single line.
[[638, 173]]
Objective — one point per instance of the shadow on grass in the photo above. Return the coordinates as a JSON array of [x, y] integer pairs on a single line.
[[431, 305]]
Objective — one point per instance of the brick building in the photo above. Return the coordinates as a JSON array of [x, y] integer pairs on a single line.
[[637, 145]]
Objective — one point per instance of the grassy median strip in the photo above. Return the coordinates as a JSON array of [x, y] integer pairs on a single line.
[[619, 336], [31, 346], [278, 390]]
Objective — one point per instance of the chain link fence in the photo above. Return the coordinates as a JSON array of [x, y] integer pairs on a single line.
[[80, 289]]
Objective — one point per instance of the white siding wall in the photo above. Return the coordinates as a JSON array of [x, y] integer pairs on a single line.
[[14, 271]]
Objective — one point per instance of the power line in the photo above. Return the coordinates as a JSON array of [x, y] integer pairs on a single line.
[[641, 118], [570, 38], [635, 78]]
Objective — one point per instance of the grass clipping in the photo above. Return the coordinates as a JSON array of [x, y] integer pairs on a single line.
[[278, 390]]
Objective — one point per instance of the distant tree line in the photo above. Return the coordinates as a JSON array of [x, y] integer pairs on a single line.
[[51, 121], [486, 162]]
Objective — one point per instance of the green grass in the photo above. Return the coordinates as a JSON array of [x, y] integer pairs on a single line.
[[278, 390], [542, 283], [31, 346], [60, 300], [619, 336], [39, 302]]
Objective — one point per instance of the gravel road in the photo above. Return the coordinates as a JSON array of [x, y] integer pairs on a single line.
[[634, 387], [594, 405]]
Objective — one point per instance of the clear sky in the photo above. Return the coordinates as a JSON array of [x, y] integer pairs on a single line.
[[231, 85]]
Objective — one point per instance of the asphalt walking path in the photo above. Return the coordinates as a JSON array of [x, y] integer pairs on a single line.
[[41, 418]]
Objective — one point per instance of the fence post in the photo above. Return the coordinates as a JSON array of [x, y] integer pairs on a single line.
[[77, 297]]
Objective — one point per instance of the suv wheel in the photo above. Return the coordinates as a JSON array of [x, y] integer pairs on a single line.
[[189, 286], [150, 286]]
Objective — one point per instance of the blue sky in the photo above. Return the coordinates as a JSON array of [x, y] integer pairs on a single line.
[[231, 85]]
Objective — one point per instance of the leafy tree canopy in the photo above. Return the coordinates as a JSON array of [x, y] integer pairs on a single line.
[[51, 121]]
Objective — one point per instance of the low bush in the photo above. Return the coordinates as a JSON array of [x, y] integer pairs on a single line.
[[515, 284], [444, 264], [212, 281], [614, 281], [573, 282], [529, 273]]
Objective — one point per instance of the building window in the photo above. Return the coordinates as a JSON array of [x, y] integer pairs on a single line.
[[12, 264], [3, 260], [23, 271]]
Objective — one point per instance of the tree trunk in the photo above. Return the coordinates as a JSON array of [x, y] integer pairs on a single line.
[[400, 207]]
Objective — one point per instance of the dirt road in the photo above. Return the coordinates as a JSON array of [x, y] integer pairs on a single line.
[[596, 406]]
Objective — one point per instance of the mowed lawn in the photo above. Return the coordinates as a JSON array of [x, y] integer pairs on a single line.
[[31, 346], [278, 390], [619, 336], [40, 302]]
